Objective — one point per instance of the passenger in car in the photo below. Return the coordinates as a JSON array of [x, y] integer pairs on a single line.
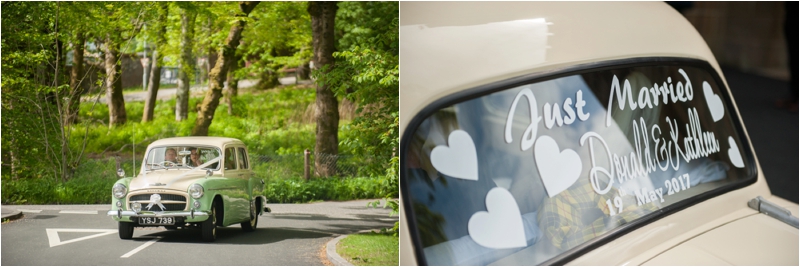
[[194, 158]]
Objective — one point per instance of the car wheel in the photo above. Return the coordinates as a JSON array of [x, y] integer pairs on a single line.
[[125, 230], [209, 227], [250, 226]]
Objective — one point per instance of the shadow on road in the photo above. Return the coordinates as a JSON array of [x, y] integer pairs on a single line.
[[267, 235], [40, 217], [358, 217], [227, 235]]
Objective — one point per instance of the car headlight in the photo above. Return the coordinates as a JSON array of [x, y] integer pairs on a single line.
[[119, 190], [196, 191]]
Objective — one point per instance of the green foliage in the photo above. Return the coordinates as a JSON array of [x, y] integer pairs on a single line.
[[271, 123], [33, 79], [296, 190], [368, 24], [279, 36], [91, 184], [395, 205], [370, 249], [119, 139], [367, 72], [276, 124]]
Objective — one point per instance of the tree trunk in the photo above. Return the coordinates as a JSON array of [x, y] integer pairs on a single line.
[[75, 78], [14, 160], [210, 51], [233, 83], [116, 103], [152, 87], [327, 115], [12, 149], [54, 72], [268, 79], [217, 75], [187, 64], [155, 70]]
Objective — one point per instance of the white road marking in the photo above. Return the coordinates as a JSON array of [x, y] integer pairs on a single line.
[[31, 211], [52, 235], [140, 248], [79, 211]]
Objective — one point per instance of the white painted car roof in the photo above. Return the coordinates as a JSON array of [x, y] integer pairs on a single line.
[[447, 47], [196, 140]]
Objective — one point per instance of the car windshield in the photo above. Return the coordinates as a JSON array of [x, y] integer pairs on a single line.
[[182, 157], [536, 171]]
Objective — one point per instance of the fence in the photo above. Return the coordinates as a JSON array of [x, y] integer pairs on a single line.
[[302, 165]]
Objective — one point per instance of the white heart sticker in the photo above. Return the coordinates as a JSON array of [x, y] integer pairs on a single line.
[[734, 154], [714, 103], [558, 169], [459, 160], [501, 225]]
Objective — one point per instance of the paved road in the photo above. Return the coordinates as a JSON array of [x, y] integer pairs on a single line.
[[293, 234], [163, 94], [197, 90]]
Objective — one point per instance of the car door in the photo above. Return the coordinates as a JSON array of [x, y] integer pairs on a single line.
[[255, 186], [243, 163], [238, 206], [245, 173]]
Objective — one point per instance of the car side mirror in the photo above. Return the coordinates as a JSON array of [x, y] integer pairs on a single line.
[[120, 173], [209, 173]]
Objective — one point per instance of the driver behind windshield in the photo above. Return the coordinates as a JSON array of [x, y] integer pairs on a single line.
[[171, 155]]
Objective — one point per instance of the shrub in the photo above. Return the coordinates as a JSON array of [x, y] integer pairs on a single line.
[[297, 190]]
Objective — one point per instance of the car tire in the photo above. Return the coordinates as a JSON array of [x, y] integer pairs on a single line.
[[250, 226], [209, 227], [125, 230]]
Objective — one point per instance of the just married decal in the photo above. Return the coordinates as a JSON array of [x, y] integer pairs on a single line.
[[657, 146]]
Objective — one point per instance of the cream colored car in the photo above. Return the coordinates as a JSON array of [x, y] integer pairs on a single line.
[[580, 133], [190, 182]]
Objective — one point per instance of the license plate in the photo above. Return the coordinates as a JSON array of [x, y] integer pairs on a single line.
[[156, 221]]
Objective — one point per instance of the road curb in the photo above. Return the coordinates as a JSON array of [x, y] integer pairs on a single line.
[[334, 257], [13, 216]]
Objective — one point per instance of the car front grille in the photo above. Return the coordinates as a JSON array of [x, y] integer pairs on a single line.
[[164, 197], [144, 199]]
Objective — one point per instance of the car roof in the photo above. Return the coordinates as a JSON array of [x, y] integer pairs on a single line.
[[451, 46], [197, 140]]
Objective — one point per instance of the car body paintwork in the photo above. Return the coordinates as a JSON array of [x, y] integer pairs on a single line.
[[583, 33], [236, 189]]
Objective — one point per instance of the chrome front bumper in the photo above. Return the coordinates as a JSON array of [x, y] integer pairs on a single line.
[[119, 213]]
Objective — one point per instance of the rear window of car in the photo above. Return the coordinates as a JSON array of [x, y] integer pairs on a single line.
[[528, 172]]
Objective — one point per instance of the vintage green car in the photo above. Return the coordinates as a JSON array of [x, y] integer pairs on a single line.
[[190, 182]]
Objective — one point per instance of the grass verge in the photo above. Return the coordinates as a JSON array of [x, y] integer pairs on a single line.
[[370, 249]]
